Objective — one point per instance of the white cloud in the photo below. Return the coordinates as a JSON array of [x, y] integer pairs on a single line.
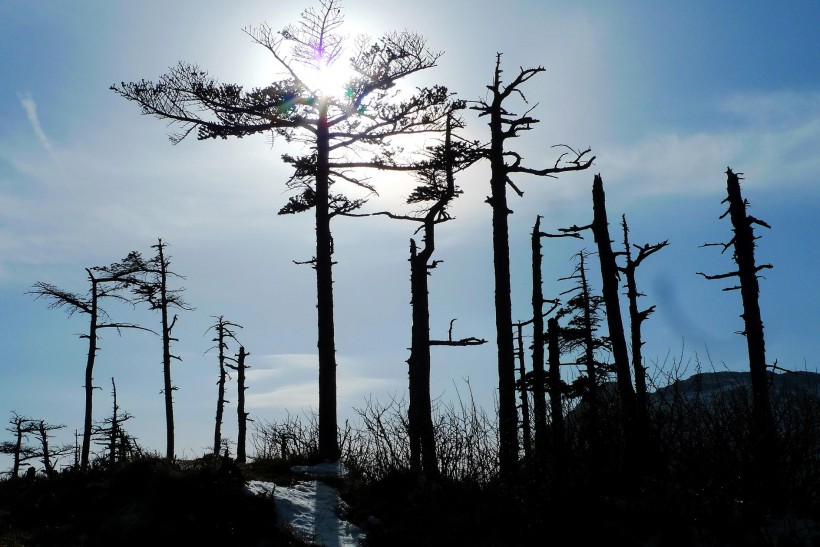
[[31, 112], [772, 138]]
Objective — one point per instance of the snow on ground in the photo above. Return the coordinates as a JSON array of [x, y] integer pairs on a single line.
[[312, 508]]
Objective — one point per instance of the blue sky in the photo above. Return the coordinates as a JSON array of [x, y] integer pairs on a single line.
[[667, 94]]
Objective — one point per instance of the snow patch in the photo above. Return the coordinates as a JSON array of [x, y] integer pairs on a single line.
[[313, 510]]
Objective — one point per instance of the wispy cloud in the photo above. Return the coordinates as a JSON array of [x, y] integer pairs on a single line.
[[31, 112]]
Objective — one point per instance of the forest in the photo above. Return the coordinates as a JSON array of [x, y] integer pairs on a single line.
[[586, 439]]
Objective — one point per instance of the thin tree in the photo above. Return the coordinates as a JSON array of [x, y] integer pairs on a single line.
[[351, 129], [581, 333], [743, 247], [636, 319], [242, 417], [523, 383], [111, 434], [105, 283], [224, 330], [556, 389], [438, 189], [504, 124], [155, 291]]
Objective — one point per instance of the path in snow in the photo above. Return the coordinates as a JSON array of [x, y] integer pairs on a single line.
[[312, 508]]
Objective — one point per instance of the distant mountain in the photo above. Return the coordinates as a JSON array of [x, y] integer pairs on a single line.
[[708, 385]]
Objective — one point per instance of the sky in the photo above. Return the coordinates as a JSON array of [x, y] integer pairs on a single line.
[[667, 95]]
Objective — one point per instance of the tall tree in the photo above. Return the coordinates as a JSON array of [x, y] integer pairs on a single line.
[[609, 291], [743, 246], [242, 417], [224, 330], [105, 283], [436, 191], [505, 124], [344, 131], [636, 319], [154, 290]]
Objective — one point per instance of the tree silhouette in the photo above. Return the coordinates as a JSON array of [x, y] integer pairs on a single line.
[[743, 246], [242, 417], [19, 426], [155, 291], [636, 319], [48, 453], [505, 124], [223, 330], [437, 189], [345, 131], [112, 435], [106, 283]]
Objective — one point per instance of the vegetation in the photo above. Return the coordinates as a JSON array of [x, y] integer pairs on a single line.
[[713, 459]]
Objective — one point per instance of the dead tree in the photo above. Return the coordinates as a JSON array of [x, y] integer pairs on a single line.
[[743, 246], [556, 389], [356, 127], [154, 290], [526, 423], [19, 426], [438, 189], [106, 282], [637, 317], [48, 453], [504, 124], [580, 333], [242, 417], [610, 281], [224, 331], [111, 434]]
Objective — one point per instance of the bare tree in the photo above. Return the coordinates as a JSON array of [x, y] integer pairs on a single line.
[[155, 291], [223, 330], [48, 453], [438, 189], [242, 417], [504, 124], [637, 317], [743, 246], [112, 435], [106, 283], [19, 426], [344, 131]]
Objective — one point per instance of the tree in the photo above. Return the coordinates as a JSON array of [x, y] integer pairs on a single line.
[[743, 246], [154, 290], [224, 330], [48, 452], [636, 319], [112, 435], [358, 123], [242, 417], [504, 125], [19, 426], [106, 282], [437, 189]]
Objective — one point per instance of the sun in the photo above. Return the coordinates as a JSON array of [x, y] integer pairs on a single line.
[[331, 79]]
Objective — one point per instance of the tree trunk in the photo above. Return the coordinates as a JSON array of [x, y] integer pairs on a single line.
[[525, 404], [168, 389], [763, 435], [609, 291], [220, 398], [556, 407], [240, 406], [328, 439], [539, 398], [507, 411], [89, 374]]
